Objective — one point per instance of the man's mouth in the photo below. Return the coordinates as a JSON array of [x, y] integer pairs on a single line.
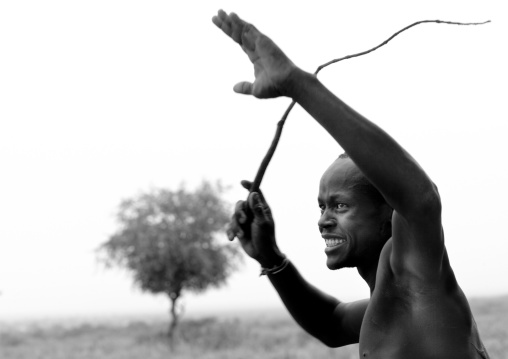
[[333, 242]]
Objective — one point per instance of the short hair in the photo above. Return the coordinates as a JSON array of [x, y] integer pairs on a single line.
[[363, 185]]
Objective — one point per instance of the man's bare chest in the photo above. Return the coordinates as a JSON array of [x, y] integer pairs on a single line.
[[402, 321]]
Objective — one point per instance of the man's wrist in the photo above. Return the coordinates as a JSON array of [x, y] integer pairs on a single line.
[[275, 261], [275, 269], [296, 82]]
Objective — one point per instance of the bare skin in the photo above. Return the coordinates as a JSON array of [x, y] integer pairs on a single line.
[[416, 309]]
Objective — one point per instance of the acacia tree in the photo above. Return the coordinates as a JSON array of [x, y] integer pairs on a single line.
[[168, 240]]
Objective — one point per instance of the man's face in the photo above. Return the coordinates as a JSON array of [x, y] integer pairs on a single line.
[[351, 223]]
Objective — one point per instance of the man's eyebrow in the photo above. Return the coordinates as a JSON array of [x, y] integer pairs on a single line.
[[336, 197], [340, 197]]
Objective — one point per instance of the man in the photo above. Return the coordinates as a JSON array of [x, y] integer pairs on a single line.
[[380, 213]]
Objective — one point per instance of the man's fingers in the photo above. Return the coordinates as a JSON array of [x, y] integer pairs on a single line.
[[257, 206], [233, 232], [240, 216], [233, 228], [223, 22], [217, 21], [244, 88], [238, 208], [230, 233], [242, 33], [237, 27], [248, 184], [230, 24]]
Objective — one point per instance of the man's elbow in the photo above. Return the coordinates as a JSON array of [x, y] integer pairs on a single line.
[[335, 341], [427, 203], [330, 343], [432, 200]]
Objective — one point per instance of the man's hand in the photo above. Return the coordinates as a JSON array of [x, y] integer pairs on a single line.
[[272, 68], [256, 232]]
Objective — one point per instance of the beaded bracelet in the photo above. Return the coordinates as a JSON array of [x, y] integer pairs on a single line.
[[275, 270]]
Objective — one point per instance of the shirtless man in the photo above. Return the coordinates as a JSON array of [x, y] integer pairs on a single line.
[[380, 213]]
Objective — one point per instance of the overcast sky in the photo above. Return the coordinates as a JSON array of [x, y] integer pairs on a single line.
[[100, 100]]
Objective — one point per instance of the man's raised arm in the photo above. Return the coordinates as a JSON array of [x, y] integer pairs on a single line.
[[399, 178]]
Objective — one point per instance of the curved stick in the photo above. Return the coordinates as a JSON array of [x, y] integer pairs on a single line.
[[271, 150], [266, 160]]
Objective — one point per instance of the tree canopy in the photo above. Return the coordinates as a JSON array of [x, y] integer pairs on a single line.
[[169, 241]]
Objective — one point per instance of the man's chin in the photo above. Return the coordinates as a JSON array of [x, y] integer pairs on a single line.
[[335, 264]]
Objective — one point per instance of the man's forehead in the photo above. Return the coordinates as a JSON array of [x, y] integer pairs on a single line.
[[342, 172], [340, 181], [345, 180]]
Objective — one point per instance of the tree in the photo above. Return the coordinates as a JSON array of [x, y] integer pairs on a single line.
[[168, 240]]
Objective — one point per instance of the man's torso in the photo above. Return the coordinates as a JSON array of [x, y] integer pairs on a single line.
[[427, 320]]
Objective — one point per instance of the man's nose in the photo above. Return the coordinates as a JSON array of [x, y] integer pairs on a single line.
[[326, 220]]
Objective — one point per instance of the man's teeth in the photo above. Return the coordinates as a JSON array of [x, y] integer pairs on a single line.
[[334, 242]]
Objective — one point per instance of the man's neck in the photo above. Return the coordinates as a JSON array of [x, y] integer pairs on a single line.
[[368, 272]]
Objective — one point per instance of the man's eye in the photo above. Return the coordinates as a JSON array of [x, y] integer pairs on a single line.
[[321, 208], [341, 205]]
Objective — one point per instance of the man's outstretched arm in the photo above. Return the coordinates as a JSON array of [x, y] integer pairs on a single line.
[[402, 182], [333, 322]]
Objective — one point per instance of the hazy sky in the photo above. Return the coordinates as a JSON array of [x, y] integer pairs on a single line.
[[100, 100]]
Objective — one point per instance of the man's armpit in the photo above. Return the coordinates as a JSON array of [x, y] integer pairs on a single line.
[[351, 315]]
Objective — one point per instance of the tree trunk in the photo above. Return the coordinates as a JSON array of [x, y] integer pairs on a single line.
[[174, 318]]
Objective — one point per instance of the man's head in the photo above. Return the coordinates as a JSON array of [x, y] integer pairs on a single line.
[[355, 218]]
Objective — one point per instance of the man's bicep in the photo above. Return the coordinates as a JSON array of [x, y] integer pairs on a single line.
[[349, 317], [417, 245]]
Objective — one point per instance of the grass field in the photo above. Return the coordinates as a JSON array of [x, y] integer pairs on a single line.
[[208, 338]]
